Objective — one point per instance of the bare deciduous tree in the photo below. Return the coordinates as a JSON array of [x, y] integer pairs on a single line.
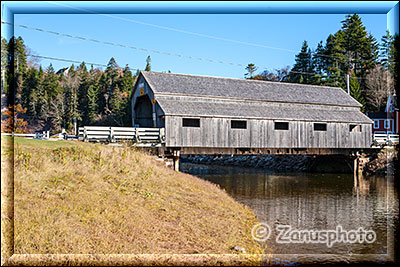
[[379, 84]]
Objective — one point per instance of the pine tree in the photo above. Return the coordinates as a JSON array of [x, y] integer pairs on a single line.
[[4, 65], [359, 47], [304, 64], [148, 64], [396, 60], [92, 103], [318, 58], [355, 92], [84, 83], [251, 68], [117, 106], [20, 55], [30, 87], [126, 81], [51, 83], [387, 52]]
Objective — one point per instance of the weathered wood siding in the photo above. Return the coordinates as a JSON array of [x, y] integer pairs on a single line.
[[156, 109], [217, 132]]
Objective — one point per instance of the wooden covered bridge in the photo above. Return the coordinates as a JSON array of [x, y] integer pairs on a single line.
[[212, 115]]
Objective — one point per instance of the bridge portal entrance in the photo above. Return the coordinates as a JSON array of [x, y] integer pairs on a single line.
[[144, 112]]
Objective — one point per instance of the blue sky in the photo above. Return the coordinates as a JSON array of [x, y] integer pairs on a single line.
[[272, 30]]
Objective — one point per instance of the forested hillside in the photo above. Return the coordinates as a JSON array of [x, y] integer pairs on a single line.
[[55, 98]]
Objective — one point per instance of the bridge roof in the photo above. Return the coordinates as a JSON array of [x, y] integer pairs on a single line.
[[229, 88], [258, 110]]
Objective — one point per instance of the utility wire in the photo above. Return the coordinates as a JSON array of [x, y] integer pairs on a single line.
[[132, 47], [147, 50], [68, 60], [122, 45], [173, 29], [71, 61], [192, 33], [103, 65]]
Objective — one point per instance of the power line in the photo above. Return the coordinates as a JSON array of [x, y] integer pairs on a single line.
[[122, 45], [132, 47], [71, 61], [193, 33], [103, 65], [144, 49], [174, 29], [68, 60]]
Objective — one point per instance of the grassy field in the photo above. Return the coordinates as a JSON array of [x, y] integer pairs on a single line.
[[77, 198]]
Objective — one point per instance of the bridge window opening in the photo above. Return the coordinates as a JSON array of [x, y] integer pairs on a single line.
[[320, 127], [238, 124], [387, 124], [281, 126], [186, 122], [355, 128]]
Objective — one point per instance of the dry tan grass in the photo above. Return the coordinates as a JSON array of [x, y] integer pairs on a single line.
[[79, 198]]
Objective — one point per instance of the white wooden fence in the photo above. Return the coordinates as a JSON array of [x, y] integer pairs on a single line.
[[38, 135], [114, 134], [383, 139]]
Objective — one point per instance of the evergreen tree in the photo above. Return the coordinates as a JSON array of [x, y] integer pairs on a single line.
[[71, 105], [126, 80], [92, 103], [318, 58], [20, 55], [355, 92], [17, 65], [30, 87], [4, 65], [148, 64], [51, 83], [387, 51], [304, 64], [84, 83], [251, 68], [117, 106], [396, 60], [359, 47]]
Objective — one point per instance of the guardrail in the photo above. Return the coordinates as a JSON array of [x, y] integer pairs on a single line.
[[383, 139], [115, 134]]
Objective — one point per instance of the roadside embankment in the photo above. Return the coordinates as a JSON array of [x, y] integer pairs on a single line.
[[79, 198]]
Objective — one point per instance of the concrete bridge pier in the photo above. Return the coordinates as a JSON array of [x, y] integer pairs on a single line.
[[360, 161], [175, 157]]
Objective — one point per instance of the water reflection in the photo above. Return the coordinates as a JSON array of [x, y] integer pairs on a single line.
[[312, 202]]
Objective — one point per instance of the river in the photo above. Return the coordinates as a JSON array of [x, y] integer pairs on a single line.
[[311, 202]]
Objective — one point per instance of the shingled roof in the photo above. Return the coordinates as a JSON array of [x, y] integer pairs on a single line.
[[257, 110], [182, 84], [189, 95]]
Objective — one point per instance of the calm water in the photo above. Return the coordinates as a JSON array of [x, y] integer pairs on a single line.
[[313, 202]]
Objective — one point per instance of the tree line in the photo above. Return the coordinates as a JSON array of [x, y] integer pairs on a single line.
[[55, 99], [96, 97], [350, 51]]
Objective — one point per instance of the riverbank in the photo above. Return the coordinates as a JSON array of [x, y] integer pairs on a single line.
[[379, 163], [292, 163], [79, 198], [382, 163]]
